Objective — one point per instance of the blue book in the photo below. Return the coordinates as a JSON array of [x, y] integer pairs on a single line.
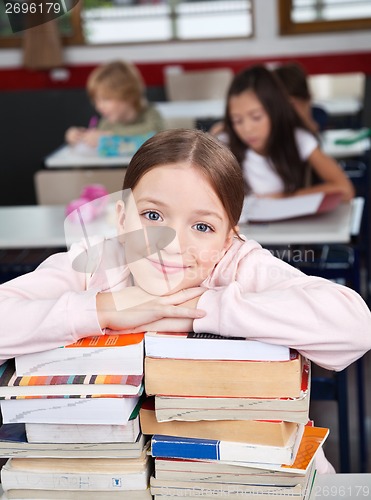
[[210, 449], [121, 145]]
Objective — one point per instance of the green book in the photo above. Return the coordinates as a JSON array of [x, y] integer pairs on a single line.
[[354, 137]]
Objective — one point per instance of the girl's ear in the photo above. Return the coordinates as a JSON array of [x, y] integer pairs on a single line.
[[120, 216], [229, 238]]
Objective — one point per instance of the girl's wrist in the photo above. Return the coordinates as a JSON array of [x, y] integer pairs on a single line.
[[102, 305]]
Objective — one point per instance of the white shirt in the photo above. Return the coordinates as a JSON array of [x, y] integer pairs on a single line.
[[259, 173]]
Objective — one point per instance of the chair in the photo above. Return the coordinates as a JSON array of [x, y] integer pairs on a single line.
[[320, 116], [58, 187], [196, 85], [343, 85]]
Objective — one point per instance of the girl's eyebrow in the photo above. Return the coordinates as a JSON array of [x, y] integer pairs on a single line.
[[208, 213], [199, 212]]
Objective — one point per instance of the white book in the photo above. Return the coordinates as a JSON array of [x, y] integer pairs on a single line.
[[211, 449], [83, 433], [193, 345], [257, 209], [13, 443], [106, 355], [99, 410], [77, 474]]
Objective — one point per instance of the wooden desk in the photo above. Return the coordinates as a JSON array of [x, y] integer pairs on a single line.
[[42, 226]]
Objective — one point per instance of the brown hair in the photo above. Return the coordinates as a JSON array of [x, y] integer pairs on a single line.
[[200, 150], [281, 148], [295, 80], [117, 80]]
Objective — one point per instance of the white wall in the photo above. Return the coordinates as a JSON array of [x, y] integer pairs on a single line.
[[267, 43]]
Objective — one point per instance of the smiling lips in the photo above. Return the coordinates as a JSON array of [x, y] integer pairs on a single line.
[[167, 267]]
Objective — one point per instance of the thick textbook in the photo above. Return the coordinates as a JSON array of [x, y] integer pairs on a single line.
[[311, 441], [13, 443], [210, 346], [173, 469], [212, 449], [77, 474], [105, 354], [233, 408], [189, 377], [49, 386], [85, 433], [161, 488], [269, 432], [75, 410]]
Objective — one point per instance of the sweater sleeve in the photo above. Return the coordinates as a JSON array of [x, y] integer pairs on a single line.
[[46, 308], [273, 302]]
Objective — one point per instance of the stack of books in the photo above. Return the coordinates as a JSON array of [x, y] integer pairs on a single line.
[[71, 422], [228, 418]]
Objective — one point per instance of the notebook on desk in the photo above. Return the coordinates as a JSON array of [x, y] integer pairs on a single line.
[[275, 209]]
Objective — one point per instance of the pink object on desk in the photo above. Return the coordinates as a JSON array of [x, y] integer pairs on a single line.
[[89, 205]]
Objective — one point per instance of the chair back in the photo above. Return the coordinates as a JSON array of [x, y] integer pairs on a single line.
[[196, 85], [59, 187]]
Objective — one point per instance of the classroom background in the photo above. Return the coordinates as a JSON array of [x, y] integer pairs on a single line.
[[43, 73]]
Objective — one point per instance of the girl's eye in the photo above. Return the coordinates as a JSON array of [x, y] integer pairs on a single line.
[[203, 228], [256, 118], [151, 215], [236, 121]]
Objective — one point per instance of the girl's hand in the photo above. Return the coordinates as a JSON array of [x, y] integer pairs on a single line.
[[74, 135], [134, 310], [91, 137], [172, 324]]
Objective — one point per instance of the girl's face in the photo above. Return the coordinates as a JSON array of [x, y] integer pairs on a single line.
[[115, 110], [185, 225], [250, 121]]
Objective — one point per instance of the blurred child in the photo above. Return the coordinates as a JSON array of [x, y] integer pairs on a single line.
[[294, 79], [118, 94], [277, 152]]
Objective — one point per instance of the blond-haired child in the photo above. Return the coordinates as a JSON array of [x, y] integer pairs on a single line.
[[118, 94]]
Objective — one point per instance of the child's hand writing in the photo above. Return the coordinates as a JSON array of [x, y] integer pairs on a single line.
[[74, 135], [91, 137], [133, 310]]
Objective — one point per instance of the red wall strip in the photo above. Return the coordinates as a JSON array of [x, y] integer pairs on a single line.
[[153, 73]]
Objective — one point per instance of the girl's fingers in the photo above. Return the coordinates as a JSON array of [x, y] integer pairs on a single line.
[[182, 312], [169, 325], [184, 295]]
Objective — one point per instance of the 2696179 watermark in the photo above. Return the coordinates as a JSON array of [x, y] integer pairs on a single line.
[[25, 14]]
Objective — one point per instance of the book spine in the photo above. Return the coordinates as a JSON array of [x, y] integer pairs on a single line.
[[172, 447], [209, 449], [67, 481]]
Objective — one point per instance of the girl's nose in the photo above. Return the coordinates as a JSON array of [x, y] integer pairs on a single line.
[[179, 242]]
